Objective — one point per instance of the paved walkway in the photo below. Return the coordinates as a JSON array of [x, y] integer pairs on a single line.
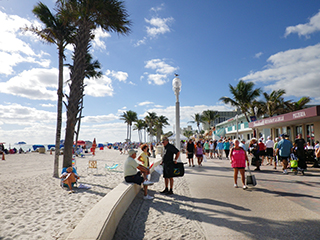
[[279, 207]]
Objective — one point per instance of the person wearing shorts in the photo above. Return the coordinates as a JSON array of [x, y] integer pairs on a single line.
[[284, 148], [190, 152], [131, 174]]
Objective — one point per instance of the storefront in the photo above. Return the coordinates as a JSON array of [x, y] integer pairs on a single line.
[[305, 121]]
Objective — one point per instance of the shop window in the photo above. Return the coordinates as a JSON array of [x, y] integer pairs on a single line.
[[310, 134], [298, 130], [289, 132]]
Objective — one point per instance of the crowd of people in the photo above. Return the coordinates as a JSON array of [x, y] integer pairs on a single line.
[[279, 152]]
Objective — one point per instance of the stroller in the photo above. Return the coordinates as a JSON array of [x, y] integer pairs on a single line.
[[294, 164]]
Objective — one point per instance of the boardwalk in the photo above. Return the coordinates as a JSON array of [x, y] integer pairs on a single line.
[[206, 206]]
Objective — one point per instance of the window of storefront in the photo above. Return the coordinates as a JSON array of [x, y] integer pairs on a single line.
[[277, 132], [289, 132], [310, 134], [298, 130]]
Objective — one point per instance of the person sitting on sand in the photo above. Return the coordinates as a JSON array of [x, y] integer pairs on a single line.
[[69, 176]]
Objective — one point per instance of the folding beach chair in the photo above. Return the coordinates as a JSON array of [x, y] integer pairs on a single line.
[[112, 168], [92, 164]]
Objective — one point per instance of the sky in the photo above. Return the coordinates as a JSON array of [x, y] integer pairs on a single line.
[[210, 44]]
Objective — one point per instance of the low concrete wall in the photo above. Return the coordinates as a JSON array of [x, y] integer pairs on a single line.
[[102, 220]]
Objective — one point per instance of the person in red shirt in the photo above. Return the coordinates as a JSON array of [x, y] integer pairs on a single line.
[[262, 150]]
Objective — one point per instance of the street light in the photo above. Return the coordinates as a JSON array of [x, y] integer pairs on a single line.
[[176, 87]]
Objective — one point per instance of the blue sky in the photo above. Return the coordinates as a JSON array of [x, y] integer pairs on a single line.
[[210, 44]]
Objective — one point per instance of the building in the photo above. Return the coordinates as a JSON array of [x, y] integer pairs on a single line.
[[223, 116], [234, 127], [305, 121]]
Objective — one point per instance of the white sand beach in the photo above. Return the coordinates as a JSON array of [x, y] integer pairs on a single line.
[[34, 206]]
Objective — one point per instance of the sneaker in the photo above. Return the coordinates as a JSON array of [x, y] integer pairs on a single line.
[[148, 197], [244, 187], [192, 165], [285, 171], [169, 192], [147, 183], [235, 185], [165, 191]]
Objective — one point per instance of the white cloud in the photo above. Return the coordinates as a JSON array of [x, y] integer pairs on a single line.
[[258, 55], [13, 50], [98, 35], [157, 9], [145, 103], [162, 69], [100, 118], [37, 84], [296, 71], [99, 87], [120, 76], [158, 26], [305, 29], [47, 105]]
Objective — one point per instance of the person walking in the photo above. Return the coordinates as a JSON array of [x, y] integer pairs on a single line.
[[211, 146], [226, 148], [190, 152], [238, 159], [206, 147], [254, 151], [300, 145], [199, 153], [170, 157], [269, 150], [284, 148], [220, 148]]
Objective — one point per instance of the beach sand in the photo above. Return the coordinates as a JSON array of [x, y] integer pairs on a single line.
[[34, 206]]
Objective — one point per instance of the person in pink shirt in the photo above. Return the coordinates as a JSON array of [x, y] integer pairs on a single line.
[[238, 159]]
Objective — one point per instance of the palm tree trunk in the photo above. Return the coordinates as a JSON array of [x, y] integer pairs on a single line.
[[76, 88], [59, 115]]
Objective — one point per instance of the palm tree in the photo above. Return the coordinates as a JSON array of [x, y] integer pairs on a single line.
[[273, 102], [188, 133], [91, 72], [197, 118], [129, 117], [87, 15], [57, 31], [159, 124], [243, 96], [150, 120], [139, 125], [209, 116], [300, 104]]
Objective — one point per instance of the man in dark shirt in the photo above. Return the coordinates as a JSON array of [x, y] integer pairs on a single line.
[[167, 161], [300, 144], [190, 152]]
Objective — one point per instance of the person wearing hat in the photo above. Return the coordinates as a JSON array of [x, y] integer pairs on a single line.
[[132, 175], [284, 149], [167, 161], [269, 150], [243, 144]]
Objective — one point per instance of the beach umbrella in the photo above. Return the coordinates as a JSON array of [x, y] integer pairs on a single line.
[[80, 143], [19, 143]]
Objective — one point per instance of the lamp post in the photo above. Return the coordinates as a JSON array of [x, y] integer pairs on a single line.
[[176, 87]]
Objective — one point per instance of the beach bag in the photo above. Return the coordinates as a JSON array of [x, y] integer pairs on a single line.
[[251, 179], [159, 169], [176, 170], [293, 163], [204, 158]]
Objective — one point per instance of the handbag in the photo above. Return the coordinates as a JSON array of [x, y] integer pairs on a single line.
[[251, 179], [176, 170]]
